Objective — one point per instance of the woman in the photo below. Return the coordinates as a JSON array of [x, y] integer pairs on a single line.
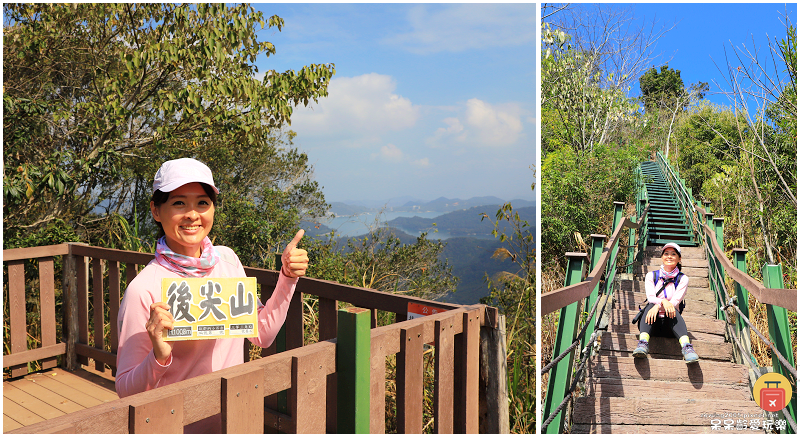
[[183, 203], [661, 316]]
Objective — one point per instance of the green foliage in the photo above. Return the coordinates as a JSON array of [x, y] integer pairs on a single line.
[[661, 88], [580, 111], [512, 292], [380, 261], [578, 190], [96, 95]]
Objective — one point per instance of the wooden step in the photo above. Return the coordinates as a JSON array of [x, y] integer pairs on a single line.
[[620, 321], [609, 428], [698, 374], [622, 345], [660, 411], [636, 388], [655, 263], [686, 252]]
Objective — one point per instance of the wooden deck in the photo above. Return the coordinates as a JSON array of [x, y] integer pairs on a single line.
[[52, 393]]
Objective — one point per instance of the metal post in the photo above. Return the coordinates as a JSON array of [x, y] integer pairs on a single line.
[[561, 373], [597, 251], [742, 296], [353, 371], [631, 248], [779, 332], [719, 231]]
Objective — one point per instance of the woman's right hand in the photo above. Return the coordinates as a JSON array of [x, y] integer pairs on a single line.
[[650, 318], [160, 319]]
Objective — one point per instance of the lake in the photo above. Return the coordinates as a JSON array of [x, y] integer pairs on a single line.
[[352, 226]]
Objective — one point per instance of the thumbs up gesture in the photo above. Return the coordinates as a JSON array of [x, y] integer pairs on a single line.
[[294, 260]]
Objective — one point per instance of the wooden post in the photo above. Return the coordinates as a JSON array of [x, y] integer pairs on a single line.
[[48, 306], [83, 304], [159, 416], [307, 395], [409, 381], [70, 309], [353, 371], [467, 378], [17, 313], [242, 401], [97, 310], [328, 325], [444, 336], [494, 380]]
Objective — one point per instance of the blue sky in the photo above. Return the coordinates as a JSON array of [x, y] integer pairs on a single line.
[[428, 100], [704, 32]]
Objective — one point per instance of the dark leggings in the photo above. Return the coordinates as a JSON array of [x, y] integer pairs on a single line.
[[663, 325]]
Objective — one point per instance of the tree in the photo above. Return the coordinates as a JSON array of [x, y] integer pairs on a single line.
[[512, 292], [664, 93], [95, 94], [590, 56], [658, 88]]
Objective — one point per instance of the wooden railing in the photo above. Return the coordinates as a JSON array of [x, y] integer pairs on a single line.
[[469, 359]]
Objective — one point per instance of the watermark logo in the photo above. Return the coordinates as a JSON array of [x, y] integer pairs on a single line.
[[772, 392]]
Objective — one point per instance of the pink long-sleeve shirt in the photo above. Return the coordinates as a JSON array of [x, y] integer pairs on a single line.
[[137, 368], [673, 294]]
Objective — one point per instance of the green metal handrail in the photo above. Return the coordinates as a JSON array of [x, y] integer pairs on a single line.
[[576, 287], [771, 293]]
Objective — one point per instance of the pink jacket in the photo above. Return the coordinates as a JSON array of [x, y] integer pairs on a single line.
[[673, 294], [137, 368]]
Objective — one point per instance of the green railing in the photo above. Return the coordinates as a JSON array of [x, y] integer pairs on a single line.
[[596, 290], [778, 300]]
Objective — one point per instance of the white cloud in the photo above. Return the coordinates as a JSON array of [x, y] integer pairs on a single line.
[[358, 106], [494, 126], [486, 125], [424, 163], [457, 28], [454, 127], [390, 152]]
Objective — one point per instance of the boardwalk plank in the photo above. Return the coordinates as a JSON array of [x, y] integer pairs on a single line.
[[98, 392], [635, 388], [48, 396], [66, 391], [608, 428], [10, 424], [621, 319], [659, 411], [666, 346], [704, 372], [19, 413], [29, 402]]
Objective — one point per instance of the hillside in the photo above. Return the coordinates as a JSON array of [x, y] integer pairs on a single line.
[[464, 223]]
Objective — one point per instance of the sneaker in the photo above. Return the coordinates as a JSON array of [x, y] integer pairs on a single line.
[[641, 350], [689, 355]]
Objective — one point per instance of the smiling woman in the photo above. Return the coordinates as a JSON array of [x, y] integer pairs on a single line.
[[183, 205]]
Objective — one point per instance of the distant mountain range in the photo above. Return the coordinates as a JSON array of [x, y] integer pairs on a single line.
[[462, 223], [410, 204], [470, 246]]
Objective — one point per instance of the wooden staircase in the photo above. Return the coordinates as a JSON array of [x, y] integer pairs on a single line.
[[661, 393]]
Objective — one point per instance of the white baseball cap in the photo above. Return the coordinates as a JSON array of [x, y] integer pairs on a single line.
[[672, 245], [179, 172]]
